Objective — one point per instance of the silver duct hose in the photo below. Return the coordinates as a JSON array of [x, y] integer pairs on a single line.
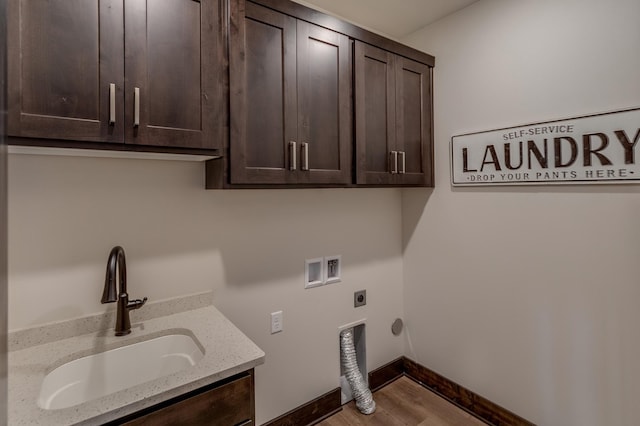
[[359, 389]]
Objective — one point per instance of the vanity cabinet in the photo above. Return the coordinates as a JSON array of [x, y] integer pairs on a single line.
[[142, 73], [229, 403], [393, 119], [290, 103]]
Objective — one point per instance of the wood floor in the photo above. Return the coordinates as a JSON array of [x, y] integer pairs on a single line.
[[404, 403]]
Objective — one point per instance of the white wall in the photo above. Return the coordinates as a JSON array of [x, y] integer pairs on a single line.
[[248, 246], [529, 295]]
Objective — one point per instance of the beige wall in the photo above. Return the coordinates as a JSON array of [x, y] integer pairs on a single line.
[[247, 246], [529, 295]]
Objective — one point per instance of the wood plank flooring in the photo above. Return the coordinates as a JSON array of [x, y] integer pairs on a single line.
[[404, 403]]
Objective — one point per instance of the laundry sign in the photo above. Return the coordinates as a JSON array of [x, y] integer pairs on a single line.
[[600, 148]]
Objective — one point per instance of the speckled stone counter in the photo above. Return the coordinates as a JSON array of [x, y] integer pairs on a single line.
[[227, 351]]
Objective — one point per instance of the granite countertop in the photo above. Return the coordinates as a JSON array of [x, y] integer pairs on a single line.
[[227, 351]]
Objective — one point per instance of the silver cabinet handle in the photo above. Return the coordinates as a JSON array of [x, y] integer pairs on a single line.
[[305, 156], [292, 155], [136, 106], [403, 163], [393, 159], [112, 104]]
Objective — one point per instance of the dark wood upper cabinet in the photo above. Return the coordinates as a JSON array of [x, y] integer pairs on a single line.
[[173, 60], [275, 86], [262, 81], [135, 71], [63, 55], [290, 104], [324, 105], [393, 119], [414, 122], [375, 106]]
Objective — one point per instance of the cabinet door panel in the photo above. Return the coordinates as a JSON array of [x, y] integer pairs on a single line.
[[63, 54], [171, 57], [375, 113], [323, 129], [262, 61], [413, 108], [267, 118], [229, 404], [324, 104]]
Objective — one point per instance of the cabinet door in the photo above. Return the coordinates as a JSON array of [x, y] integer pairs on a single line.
[[173, 94], [324, 105], [262, 78], [413, 122], [227, 405], [63, 55], [375, 112]]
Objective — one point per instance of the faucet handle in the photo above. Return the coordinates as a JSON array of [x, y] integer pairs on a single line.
[[136, 304]]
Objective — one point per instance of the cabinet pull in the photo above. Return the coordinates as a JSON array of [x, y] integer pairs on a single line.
[[245, 423], [393, 159], [136, 106], [305, 156], [112, 104], [292, 155], [402, 162]]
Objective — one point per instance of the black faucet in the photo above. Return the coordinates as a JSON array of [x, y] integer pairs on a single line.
[[109, 295]]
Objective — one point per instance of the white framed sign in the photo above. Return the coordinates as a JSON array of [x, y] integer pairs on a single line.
[[599, 148]]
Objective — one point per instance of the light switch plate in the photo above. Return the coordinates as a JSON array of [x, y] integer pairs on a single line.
[[277, 324]]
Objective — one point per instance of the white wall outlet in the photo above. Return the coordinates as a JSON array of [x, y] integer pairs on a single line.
[[277, 324], [332, 269], [314, 272]]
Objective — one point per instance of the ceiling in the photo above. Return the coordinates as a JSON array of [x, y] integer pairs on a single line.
[[394, 18]]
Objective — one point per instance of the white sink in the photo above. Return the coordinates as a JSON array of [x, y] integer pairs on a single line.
[[101, 374]]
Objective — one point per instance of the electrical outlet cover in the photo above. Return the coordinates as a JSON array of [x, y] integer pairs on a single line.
[[359, 298]]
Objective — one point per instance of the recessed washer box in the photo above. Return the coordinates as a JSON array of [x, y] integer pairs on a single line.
[[333, 269], [314, 272]]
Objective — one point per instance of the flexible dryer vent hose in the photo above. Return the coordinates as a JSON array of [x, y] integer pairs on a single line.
[[359, 389]]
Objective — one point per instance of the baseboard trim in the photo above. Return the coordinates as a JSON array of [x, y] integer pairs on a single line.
[[382, 376], [312, 412], [469, 401], [329, 404]]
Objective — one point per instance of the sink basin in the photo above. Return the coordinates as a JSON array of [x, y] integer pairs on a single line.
[[101, 374]]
